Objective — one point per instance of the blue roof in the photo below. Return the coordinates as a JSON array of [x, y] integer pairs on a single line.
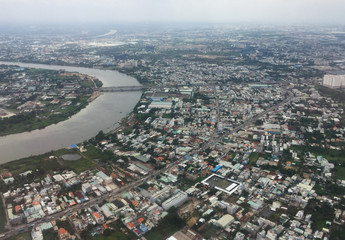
[[73, 146], [217, 168], [143, 228]]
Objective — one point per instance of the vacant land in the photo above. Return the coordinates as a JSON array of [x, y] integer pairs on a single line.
[[44, 163]]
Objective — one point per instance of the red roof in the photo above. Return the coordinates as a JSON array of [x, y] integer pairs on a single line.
[[135, 203], [130, 225], [96, 215], [17, 208], [62, 231]]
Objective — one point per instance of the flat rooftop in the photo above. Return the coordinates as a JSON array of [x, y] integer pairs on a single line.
[[221, 183]]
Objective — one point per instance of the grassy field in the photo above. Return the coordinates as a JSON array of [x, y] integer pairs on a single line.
[[80, 165], [254, 156], [31, 163], [84, 163], [46, 164], [167, 227], [340, 173]]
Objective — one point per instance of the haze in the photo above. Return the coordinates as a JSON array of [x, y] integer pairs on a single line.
[[60, 11]]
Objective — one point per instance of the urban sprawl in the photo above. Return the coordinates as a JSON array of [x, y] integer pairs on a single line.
[[239, 134]]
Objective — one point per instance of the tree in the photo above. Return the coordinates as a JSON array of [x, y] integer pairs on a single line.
[[49, 234], [107, 232], [66, 225], [85, 234], [100, 136]]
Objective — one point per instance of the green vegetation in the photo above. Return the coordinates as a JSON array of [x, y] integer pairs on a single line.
[[41, 162], [340, 173], [337, 232], [21, 236], [30, 121], [84, 163], [336, 156], [50, 234], [87, 160], [66, 225], [209, 231], [2, 217], [80, 165], [118, 232], [40, 165], [321, 212], [254, 156], [335, 94], [94, 153], [185, 182], [167, 227], [329, 189], [36, 112]]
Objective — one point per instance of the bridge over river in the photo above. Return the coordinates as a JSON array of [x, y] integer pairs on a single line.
[[122, 89]]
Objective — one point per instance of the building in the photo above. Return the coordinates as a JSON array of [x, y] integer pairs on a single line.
[[224, 221], [63, 234], [232, 208], [160, 105], [106, 179], [221, 183], [175, 200], [86, 187], [334, 81], [186, 234]]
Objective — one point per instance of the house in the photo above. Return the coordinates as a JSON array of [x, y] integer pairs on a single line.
[[63, 234]]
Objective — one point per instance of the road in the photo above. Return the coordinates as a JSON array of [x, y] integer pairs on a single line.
[[212, 140]]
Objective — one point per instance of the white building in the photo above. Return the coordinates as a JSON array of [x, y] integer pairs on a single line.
[[224, 221], [334, 81], [86, 187], [175, 200], [160, 105]]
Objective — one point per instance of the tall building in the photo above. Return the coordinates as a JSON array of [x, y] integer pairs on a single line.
[[334, 81]]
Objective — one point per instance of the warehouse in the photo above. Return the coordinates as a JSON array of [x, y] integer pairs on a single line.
[[175, 200]]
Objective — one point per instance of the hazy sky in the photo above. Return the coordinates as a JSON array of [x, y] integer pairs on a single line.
[[285, 11]]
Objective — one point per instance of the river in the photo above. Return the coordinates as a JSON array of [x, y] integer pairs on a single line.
[[104, 113]]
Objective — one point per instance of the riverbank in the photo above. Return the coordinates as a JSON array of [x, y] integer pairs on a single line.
[[103, 113], [46, 97], [31, 121], [94, 95]]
